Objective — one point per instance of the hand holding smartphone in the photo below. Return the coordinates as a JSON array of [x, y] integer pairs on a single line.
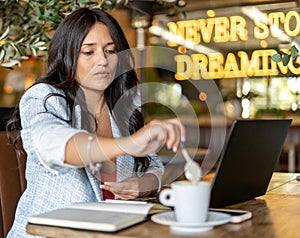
[[237, 216]]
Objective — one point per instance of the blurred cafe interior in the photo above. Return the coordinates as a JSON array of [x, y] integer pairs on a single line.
[[226, 44]]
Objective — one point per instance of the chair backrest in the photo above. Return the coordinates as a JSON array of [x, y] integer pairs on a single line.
[[12, 177]]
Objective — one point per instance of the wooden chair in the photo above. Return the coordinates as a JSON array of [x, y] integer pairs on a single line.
[[12, 176]]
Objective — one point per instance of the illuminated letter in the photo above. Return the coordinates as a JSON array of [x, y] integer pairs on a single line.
[[283, 69], [221, 29], [184, 67], [215, 65], [276, 18], [192, 34], [206, 28], [264, 33], [238, 28], [180, 32], [172, 41], [245, 66], [265, 56], [199, 65], [292, 68], [231, 69], [287, 22]]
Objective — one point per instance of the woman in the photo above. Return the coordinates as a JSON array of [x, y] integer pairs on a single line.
[[83, 133]]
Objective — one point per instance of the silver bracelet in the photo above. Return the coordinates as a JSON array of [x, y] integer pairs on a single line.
[[94, 167]]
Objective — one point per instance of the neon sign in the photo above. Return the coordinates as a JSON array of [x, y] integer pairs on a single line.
[[231, 29]]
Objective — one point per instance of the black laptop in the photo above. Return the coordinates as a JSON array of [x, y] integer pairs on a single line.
[[248, 160]]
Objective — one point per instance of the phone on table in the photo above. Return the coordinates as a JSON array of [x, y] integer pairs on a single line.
[[237, 216]]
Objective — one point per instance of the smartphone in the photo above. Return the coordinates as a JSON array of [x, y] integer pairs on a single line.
[[237, 216]]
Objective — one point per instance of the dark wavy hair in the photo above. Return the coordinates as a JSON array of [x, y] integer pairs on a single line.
[[63, 53]]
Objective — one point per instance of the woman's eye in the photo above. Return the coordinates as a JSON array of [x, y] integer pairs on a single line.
[[87, 52], [113, 51]]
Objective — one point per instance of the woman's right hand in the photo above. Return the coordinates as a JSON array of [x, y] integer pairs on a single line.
[[153, 136]]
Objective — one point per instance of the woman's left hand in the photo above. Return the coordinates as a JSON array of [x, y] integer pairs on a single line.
[[133, 187]]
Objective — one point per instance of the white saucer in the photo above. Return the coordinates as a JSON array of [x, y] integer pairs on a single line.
[[168, 218]]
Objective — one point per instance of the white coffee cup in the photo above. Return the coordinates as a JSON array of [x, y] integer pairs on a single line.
[[190, 201]]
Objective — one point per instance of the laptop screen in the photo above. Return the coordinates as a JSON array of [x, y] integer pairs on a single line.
[[248, 160]]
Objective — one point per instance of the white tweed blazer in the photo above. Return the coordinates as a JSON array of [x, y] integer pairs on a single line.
[[52, 184]]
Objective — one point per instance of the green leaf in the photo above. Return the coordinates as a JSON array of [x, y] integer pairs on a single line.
[[2, 54], [294, 52], [277, 58], [38, 11], [11, 63], [5, 34], [51, 3], [39, 44], [286, 59]]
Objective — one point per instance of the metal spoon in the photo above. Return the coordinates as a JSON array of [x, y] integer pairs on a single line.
[[192, 170]]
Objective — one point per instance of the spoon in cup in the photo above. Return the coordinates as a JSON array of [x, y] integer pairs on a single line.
[[192, 170]]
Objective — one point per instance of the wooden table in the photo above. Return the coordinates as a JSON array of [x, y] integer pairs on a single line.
[[276, 214]]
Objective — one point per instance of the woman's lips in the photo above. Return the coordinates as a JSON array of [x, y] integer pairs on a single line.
[[102, 73]]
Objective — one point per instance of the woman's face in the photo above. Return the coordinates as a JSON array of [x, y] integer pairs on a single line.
[[97, 60]]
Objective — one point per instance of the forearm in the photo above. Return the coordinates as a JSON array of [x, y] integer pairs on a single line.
[[146, 140], [102, 149]]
